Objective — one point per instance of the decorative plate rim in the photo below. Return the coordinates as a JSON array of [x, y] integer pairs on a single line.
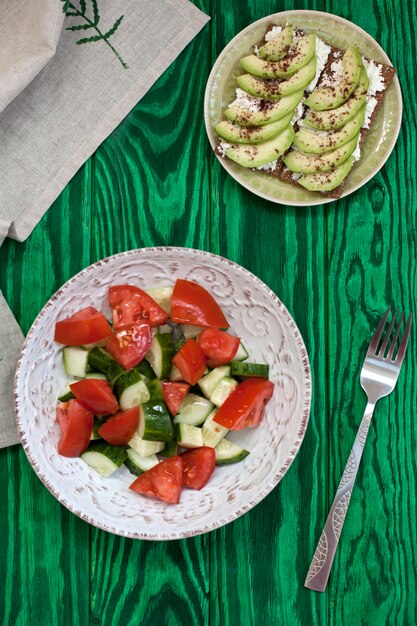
[[395, 84], [267, 488]]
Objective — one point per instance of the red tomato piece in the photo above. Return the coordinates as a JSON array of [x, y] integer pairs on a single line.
[[174, 394], [192, 304], [218, 346], [199, 465], [245, 405], [163, 481], [131, 305], [85, 326], [76, 424], [96, 395], [190, 361], [129, 345], [119, 429]]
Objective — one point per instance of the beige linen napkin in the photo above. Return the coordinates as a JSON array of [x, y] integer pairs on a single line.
[[107, 57]]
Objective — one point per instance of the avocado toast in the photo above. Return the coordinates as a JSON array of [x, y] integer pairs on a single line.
[[307, 105]]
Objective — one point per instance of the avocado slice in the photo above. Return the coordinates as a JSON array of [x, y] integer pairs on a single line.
[[318, 142], [275, 49], [336, 118], [271, 112], [310, 164], [234, 133], [325, 98], [262, 153], [274, 90], [301, 54], [326, 181]]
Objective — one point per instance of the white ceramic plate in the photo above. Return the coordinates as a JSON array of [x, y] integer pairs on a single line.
[[255, 314], [339, 32]]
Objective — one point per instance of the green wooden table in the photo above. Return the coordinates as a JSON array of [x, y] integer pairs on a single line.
[[155, 181]]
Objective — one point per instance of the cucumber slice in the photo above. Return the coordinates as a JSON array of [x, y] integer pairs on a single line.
[[223, 390], [137, 464], [103, 458], [75, 361], [162, 295], [160, 355], [247, 370], [189, 331], [126, 380], [99, 360], [175, 375], [165, 328], [145, 448], [154, 422], [114, 371], [188, 436], [228, 452], [242, 354], [171, 449], [134, 395], [95, 435], [213, 432], [209, 382], [194, 410], [66, 394], [179, 344], [155, 390], [96, 344], [146, 370], [95, 375]]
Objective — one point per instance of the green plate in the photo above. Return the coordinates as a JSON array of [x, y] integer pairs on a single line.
[[334, 30]]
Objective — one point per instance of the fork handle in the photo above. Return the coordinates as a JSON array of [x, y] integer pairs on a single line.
[[321, 564]]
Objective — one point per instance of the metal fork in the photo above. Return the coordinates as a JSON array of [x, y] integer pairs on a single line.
[[379, 376]]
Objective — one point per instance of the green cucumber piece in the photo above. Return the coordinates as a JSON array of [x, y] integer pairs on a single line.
[[170, 449], [99, 360], [160, 354], [241, 354], [162, 296], [134, 395], [194, 410], [223, 390], [154, 422], [104, 458], [277, 48], [145, 448], [97, 344], [189, 331], [188, 436], [146, 370], [213, 432], [179, 344], [114, 371], [175, 375], [247, 370], [137, 464], [210, 381], [155, 390], [75, 361], [95, 375], [66, 394], [228, 452], [95, 434], [126, 380]]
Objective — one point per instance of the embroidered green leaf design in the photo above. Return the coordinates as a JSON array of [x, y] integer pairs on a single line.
[[80, 27], [113, 28], [91, 19]]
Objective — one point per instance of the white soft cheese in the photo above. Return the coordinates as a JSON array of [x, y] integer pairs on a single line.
[[335, 76], [246, 102], [275, 30], [322, 54], [269, 167], [223, 148], [376, 83], [299, 112], [357, 151]]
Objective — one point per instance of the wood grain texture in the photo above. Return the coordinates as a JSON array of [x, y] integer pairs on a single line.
[[154, 181]]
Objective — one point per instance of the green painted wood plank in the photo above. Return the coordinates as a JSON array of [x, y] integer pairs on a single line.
[[44, 543]]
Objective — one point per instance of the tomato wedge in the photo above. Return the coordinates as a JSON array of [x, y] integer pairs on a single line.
[[131, 305], [190, 361], [245, 405], [163, 481], [85, 326], [199, 465], [76, 424], [129, 345], [96, 395], [119, 429], [218, 346], [192, 304], [174, 394]]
